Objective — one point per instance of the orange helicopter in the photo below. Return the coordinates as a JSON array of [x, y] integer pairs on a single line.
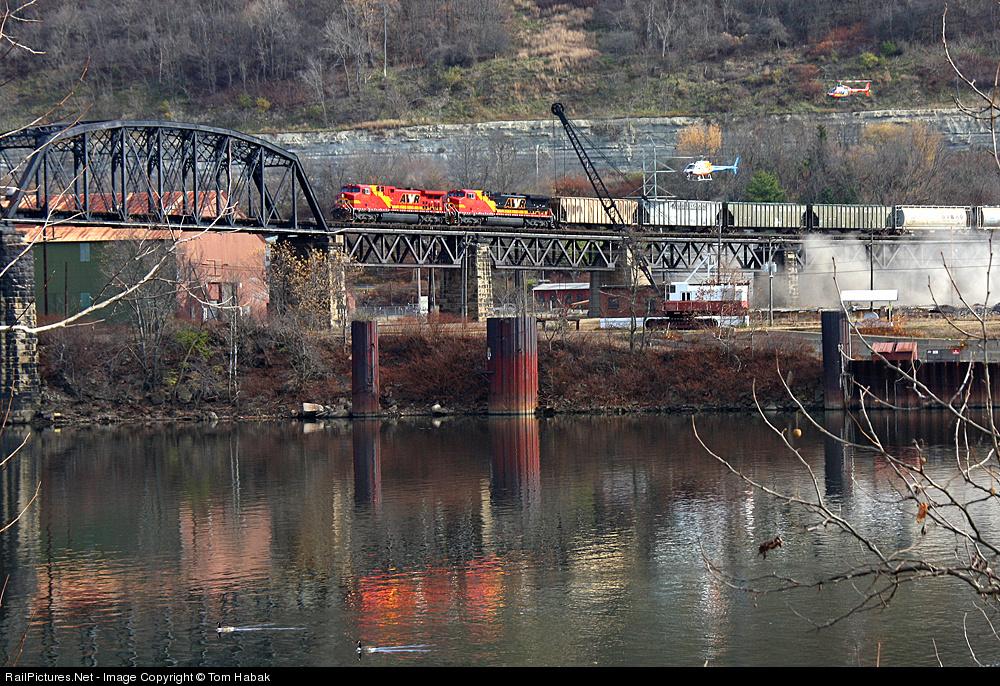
[[842, 91]]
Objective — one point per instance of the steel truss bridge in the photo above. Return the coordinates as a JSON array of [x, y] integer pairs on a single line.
[[148, 173], [157, 174], [409, 246]]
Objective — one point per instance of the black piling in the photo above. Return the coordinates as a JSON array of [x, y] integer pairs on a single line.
[[836, 335], [364, 369]]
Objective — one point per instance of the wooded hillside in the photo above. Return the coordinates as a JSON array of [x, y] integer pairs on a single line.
[[322, 63]]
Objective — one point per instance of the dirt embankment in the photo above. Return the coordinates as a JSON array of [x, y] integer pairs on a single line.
[[102, 375]]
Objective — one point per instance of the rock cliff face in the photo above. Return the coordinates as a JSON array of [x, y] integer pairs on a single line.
[[633, 142]]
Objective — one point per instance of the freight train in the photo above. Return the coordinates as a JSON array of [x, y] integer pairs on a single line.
[[367, 203]]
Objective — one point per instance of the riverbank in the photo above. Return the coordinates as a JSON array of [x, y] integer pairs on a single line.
[[99, 375]]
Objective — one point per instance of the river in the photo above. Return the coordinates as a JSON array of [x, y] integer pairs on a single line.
[[469, 541]]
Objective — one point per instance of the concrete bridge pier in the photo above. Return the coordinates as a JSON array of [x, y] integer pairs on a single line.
[[468, 291], [629, 273], [297, 264], [792, 277], [337, 262], [597, 280], [20, 384]]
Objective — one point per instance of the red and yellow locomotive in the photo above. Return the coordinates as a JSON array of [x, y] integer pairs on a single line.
[[366, 203], [500, 209]]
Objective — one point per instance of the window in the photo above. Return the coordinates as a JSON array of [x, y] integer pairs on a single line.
[[85, 301], [85, 252]]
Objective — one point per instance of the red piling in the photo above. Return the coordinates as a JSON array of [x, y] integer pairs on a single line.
[[513, 365], [364, 368]]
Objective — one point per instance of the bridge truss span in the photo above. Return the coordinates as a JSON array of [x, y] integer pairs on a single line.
[[136, 173], [404, 245], [408, 245], [446, 247]]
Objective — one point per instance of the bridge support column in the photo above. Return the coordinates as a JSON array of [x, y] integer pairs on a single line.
[[630, 272], [364, 369], [792, 277], [20, 384], [337, 262], [468, 292], [597, 279]]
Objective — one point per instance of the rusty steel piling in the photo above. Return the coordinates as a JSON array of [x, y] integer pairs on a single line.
[[512, 344], [364, 369]]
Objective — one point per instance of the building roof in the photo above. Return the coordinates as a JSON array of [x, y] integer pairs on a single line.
[[210, 203], [569, 286], [57, 233]]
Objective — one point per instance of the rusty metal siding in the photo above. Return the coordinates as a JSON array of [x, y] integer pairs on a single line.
[[895, 351], [512, 365], [942, 379], [364, 368]]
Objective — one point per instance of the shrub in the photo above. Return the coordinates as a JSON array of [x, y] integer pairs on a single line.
[[868, 60]]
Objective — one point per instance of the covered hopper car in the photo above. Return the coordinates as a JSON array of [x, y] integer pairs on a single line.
[[370, 203]]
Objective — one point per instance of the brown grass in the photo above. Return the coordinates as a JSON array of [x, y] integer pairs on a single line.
[[423, 365], [598, 373]]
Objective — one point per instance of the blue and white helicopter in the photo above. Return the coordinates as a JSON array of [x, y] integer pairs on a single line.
[[702, 169]]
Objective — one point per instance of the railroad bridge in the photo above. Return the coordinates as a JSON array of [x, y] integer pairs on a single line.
[[128, 174]]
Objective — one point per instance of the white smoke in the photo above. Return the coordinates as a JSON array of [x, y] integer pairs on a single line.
[[941, 268]]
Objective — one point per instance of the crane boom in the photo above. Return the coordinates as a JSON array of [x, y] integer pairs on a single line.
[[595, 179]]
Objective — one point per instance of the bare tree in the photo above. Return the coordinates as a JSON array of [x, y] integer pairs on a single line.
[[952, 498], [983, 104], [149, 309], [314, 76]]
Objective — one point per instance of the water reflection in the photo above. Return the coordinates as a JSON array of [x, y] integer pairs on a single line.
[[367, 462], [565, 541], [515, 467], [837, 453]]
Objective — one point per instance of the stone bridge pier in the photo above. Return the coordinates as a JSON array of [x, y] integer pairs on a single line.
[[20, 384], [468, 291]]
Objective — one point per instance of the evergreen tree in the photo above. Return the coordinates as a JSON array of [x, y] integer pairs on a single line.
[[764, 187]]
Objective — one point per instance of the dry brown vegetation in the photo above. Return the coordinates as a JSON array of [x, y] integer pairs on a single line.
[[597, 372], [90, 376]]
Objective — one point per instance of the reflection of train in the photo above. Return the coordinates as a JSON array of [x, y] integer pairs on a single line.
[[372, 204]]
